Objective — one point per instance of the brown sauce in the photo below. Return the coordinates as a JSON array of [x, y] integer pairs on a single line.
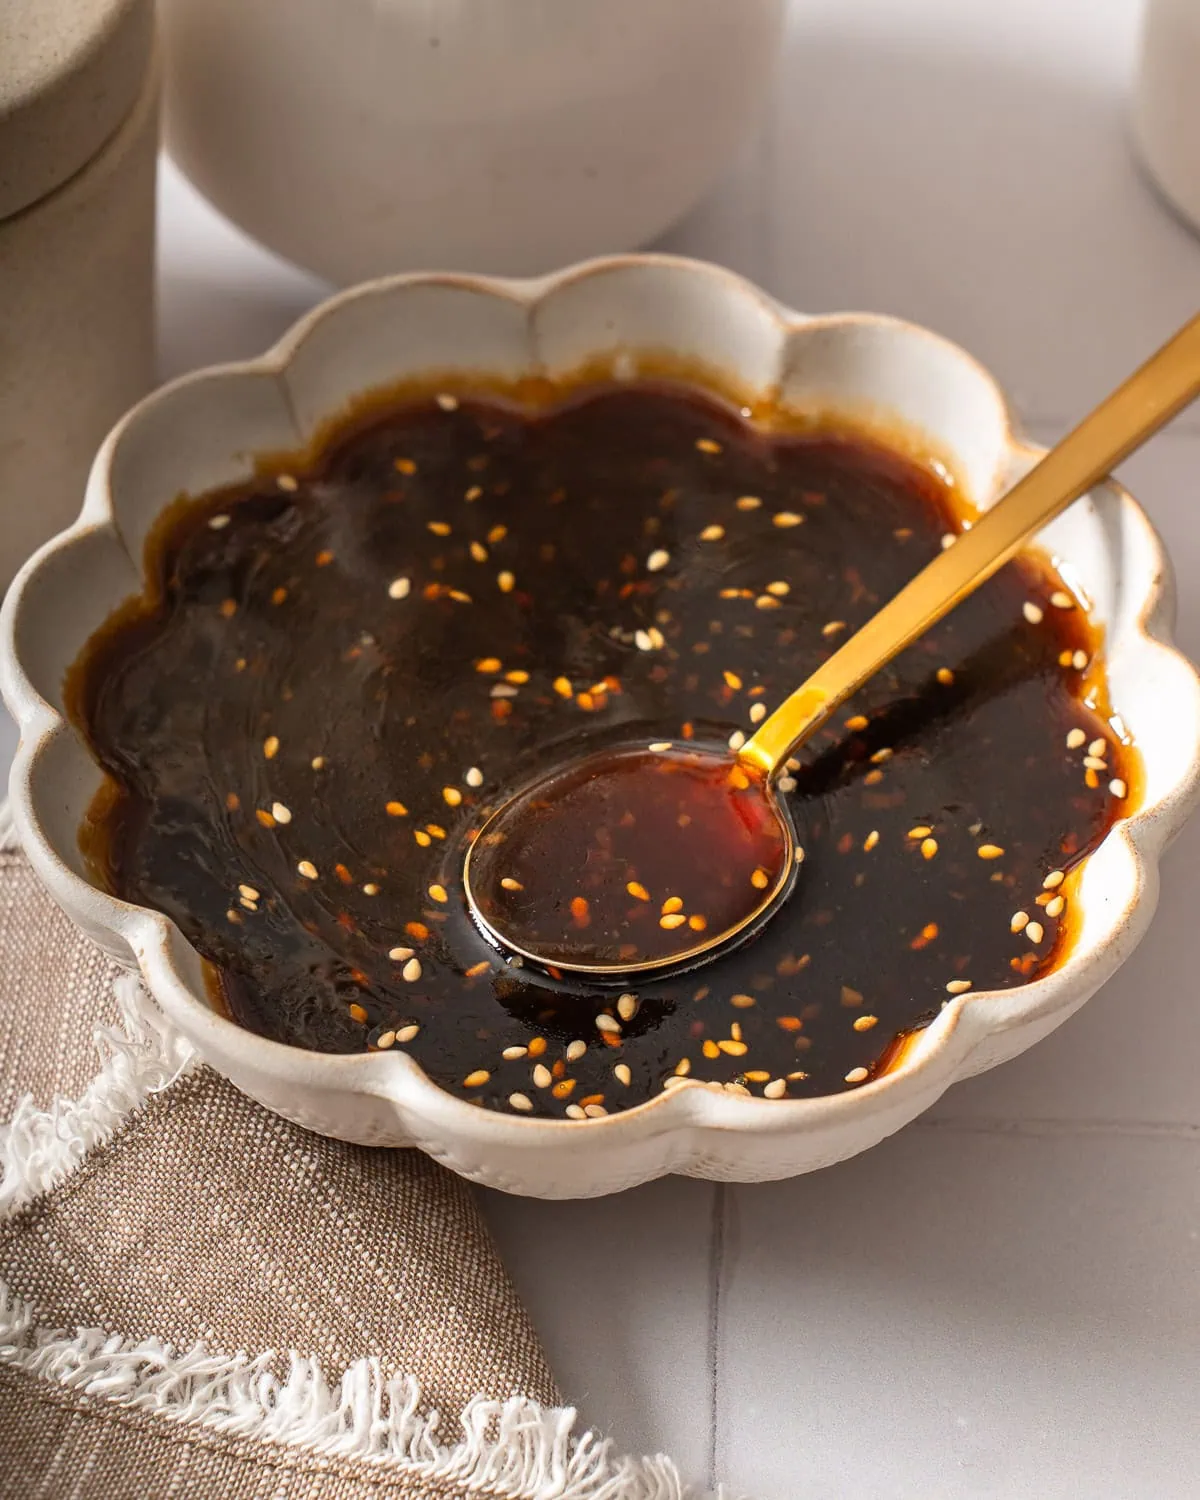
[[339, 672]]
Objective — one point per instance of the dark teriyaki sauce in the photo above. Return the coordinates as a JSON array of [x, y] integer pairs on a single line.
[[341, 669]]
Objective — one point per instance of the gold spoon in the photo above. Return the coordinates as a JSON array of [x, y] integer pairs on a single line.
[[733, 798]]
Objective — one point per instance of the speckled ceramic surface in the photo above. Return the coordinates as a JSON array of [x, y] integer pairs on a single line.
[[203, 430]]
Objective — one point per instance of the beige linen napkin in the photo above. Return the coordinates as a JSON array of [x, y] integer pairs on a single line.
[[199, 1299]]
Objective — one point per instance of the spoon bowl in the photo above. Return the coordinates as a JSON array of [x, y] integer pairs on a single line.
[[643, 857]]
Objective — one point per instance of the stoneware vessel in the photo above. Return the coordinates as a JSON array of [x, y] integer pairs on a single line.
[[203, 431], [361, 137]]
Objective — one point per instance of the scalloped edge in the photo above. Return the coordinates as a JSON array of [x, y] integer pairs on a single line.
[[694, 1129]]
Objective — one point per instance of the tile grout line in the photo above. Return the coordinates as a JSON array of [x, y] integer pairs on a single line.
[[716, 1269]]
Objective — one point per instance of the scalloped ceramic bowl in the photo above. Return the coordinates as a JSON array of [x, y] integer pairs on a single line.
[[204, 430]]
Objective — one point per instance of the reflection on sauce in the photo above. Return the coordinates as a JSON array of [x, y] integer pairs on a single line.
[[343, 670]]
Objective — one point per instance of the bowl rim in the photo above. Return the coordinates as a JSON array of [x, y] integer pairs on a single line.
[[963, 1022]]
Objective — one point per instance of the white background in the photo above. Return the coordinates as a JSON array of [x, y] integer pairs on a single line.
[[1003, 1300]]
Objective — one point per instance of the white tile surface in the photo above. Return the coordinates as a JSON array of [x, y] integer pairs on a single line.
[[954, 1314], [1001, 1302]]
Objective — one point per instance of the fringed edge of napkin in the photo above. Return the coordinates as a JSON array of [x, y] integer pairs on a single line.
[[512, 1450]]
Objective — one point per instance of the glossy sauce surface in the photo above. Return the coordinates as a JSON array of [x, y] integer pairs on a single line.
[[343, 670]]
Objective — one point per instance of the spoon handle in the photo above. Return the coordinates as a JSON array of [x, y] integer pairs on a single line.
[[1135, 411]]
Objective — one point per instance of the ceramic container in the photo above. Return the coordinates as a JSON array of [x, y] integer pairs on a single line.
[[1166, 102], [202, 431], [361, 137], [79, 87]]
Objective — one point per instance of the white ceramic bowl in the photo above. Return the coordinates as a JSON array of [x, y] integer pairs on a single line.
[[361, 138], [202, 431]]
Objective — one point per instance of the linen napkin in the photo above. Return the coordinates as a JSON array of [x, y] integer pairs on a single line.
[[199, 1299]]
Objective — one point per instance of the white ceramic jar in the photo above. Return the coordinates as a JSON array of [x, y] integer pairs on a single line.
[[79, 86], [1166, 105], [359, 137]]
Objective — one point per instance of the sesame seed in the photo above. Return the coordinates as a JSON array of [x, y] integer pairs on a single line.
[[575, 1050], [217, 523], [929, 847], [399, 588], [1075, 738], [958, 986], [271, 746], [627, 1006], [659, 746], [474, 777], [1035, 932], [1053, 880], [286, 482], [1055, 906], [1061, 599], [870, 841], [712, 533], [520, 1102], [989, 851], [748, 502], [657, 560], [542, 1076], [622, 1074], [669, 923], [1020, 920], [407, 1033], [776, 1089], [832, 627], [512, 1054], [411, 971], [280, 813], [607, 1023], [510, 884], [864, 1023], [856, 1075], [1032, 612], [476, 1079], [307, 869], [506, 581], [786, 518], [1117, 787]]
